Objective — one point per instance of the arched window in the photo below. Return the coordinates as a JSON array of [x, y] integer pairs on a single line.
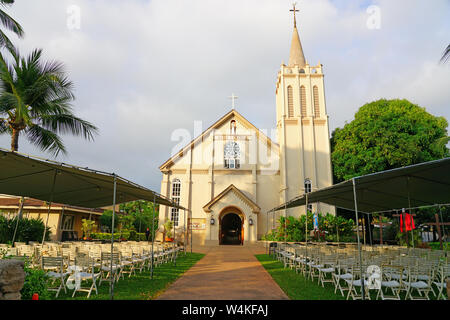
[[303, 100], [308, 189], [290, 102], [232, 155], [308, 186], [176, 193], [316, 102], [233, 127]]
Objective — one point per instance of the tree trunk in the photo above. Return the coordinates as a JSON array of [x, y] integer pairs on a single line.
[[15, 140]]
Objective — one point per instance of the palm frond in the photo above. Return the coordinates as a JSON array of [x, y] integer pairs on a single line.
[[9, 23], [46, 140], [68, 123], [4, 128], [446, 54]]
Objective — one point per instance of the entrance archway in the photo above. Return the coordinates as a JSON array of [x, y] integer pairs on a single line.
[[231, 231]]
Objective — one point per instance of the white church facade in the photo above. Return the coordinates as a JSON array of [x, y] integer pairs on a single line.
[[233, 173]]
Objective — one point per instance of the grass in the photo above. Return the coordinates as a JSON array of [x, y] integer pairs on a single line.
[[294, 284], [139, 286]]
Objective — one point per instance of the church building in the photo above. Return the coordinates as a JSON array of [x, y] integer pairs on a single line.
[[233, 173]]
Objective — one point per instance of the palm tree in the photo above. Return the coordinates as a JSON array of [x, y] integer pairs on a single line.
[[35, 99], [9, 23], [446, 54]]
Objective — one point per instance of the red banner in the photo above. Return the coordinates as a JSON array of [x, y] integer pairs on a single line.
[[409, 222]]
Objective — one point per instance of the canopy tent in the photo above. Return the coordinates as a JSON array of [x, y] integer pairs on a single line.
[[424, 184], [417, 185], [47, 180]]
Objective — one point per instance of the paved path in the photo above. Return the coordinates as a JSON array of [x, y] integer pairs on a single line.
[[225, 273]]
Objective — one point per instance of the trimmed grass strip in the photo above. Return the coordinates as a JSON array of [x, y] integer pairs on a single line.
[[294, 284], [140, 286]]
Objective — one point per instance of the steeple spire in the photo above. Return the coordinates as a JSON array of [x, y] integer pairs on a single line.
[[296, 56]]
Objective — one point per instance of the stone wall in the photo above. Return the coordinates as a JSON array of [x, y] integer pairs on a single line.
[[12, 278]]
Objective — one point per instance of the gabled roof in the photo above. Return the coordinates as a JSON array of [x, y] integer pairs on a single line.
[[30, 203], [217, 124], [239, 193]]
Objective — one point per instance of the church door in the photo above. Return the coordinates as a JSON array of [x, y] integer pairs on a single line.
[[231, 230]]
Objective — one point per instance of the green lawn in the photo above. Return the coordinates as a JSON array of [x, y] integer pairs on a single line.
[[294, 284], [139, 286]]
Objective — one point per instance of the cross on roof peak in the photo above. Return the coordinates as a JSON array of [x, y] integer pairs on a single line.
[[294, 10], [233, 99]]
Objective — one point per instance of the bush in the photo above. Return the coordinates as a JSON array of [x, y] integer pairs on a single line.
[[35, 282], [296, 227], [123, 235], [27, 230]]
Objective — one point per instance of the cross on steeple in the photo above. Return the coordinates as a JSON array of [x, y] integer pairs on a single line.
[[294, 10], [233, 98]]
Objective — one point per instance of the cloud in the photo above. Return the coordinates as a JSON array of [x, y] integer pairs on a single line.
[[143, 69]]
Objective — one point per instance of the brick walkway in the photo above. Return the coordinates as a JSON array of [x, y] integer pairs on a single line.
[[225, 273]]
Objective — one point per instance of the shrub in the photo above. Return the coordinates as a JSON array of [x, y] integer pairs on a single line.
[[296, 227], [27, 230], [35, 282]]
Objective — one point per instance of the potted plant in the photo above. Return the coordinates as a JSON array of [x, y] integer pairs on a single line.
[[168, 236], [87, 227]]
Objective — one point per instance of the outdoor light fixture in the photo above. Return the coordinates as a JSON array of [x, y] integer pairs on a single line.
[[212, 220], [250, 221]]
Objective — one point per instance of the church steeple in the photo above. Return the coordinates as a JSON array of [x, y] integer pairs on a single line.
[[296, 56]]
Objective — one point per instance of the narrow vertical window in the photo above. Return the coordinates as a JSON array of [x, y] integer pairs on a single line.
[[308, 189], [316, 102], [176, 192], [303, 100], [233, 127], [290, 102]]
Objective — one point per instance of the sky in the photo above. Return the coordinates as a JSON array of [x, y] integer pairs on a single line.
[[144, 69]]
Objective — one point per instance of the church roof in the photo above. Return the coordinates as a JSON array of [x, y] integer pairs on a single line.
[[239, 193], [217, 124], [296, 56]]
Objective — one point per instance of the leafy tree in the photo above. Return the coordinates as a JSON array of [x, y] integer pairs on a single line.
[[9, 23], [35, 101], [143, 213], [387, 134]]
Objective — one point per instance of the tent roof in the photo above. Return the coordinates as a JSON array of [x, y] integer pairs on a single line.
[[417, 185], [28, 176]]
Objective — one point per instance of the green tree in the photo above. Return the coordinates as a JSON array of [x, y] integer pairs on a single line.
[[143, 213], [35, 100], [387, 134], [9, 23]]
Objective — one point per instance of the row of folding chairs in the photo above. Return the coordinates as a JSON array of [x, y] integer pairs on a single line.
[[422, 272], [94, 262]]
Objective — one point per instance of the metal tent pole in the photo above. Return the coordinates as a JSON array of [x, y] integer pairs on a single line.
[[267, 232], [190, 213], [359, 244], [49, 205], [306, 232], [153, 235], [409, 209], [185, 231], [285, 227], [443, 230], [111, 288], [174, 257], [19, 216]]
